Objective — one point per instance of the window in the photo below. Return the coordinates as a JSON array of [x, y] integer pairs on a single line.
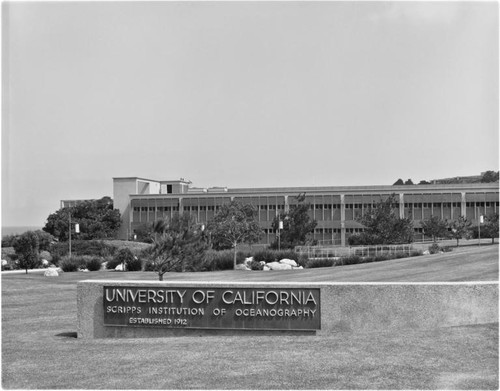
[[152, 208], [437, 205]]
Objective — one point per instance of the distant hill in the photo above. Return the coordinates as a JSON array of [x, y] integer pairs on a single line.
[[485, 177], [458, 180], [11, 230]]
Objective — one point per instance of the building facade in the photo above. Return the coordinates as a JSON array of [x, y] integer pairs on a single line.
[[336, 209]]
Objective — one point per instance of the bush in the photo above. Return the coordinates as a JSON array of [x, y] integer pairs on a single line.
[[223, 261], [351, 260], [254, 265], [46, 255], [380, 258], [319, 262], [134, 265], [72, 264], [149, 266], [8, 240], [83, 247], [112, 263], [124, 256], [434, 248], [302, 260], [93, 264], [266, 256]]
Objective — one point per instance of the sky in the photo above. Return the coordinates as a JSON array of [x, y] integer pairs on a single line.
[[242, 94]]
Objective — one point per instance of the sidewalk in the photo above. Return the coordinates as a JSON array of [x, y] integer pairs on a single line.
[[30, 271]]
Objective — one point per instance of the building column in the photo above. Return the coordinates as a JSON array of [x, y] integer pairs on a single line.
[[463, 206], [401, 206], [342, 221]]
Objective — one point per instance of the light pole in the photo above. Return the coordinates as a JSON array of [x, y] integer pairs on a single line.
[[479, 222], [280, 227], [69, 228]]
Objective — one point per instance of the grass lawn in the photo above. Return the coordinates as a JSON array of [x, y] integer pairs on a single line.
[[40, 351]]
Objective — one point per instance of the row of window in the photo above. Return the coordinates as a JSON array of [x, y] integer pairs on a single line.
[[408, 205], [156, 208], [438, 205], [272, 207]]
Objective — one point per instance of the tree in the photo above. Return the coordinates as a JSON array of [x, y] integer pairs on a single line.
[[435, 227], [490, 228], [297, 225], [27, 247], [45, 240], [178, 244], [424, 182], [489, 176], [409, 182], [460, 228], [97, 220], [384, 226], [144, 233], [398, 182], [233, 224]]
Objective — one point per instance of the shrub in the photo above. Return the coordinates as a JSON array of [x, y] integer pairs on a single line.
[[83, 247], [46, 255], [149, 266], [380, 258], [415, 253], [68, 264], [302, 260], [351, 260], [319, 262], [134, 265], [266, 256], [223, 261], [112, 263], [124, 256], [434, 248], [8, 240], [399, 255], [93, 264], [254, 265]]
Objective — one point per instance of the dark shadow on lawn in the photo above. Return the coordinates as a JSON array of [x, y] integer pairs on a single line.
[[69, 334]]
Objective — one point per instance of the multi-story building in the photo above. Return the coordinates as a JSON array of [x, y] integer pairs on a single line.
[[336, 209]]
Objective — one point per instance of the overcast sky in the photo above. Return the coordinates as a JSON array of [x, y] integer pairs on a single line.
[[242, 94]]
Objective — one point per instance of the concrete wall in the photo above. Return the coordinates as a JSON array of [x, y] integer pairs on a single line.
[[344, 307]]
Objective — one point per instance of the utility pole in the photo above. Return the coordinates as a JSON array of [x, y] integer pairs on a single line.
[[69, 227]]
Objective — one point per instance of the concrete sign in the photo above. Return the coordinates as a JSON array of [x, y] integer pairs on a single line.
[[212, 308]]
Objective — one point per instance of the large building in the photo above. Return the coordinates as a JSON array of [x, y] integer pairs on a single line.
[[336, 209]]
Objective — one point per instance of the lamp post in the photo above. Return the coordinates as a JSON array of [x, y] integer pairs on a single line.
[[69, 228], [480, 221], [280, 227]]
